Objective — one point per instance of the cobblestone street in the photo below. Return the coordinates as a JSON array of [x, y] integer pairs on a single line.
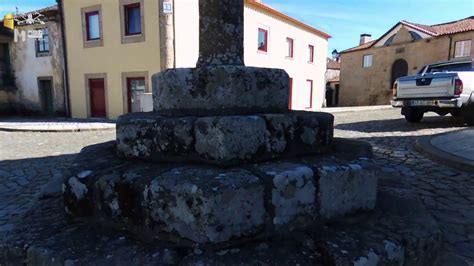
[[29, 160], [447, 193]]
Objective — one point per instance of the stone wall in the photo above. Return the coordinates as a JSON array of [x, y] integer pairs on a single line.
[[372, 86], [28, 67], [8, 101]]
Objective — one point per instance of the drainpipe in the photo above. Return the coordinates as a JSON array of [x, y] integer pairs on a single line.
[[450, 46], [67, 100], [167, 51]]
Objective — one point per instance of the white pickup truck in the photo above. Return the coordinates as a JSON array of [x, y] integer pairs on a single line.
[[442, 88]]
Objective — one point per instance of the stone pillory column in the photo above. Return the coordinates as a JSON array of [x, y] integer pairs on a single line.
[[235, 118], [220, 84], [221, 32]]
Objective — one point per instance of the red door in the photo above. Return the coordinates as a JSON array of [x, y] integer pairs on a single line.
[[97, 94]]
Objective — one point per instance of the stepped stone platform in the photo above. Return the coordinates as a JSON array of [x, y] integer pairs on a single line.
[[221, 161], [223, 140], [399, 231], [221, 89], [190, 204]]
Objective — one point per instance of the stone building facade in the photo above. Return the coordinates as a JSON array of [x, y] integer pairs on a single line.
[[369, 70], [114, 47], [32, 69], [8, 91], [333, 74]]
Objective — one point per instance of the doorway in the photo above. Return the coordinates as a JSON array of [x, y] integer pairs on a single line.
[[135, 88], [45, 91], [97, 98], [399, 69]]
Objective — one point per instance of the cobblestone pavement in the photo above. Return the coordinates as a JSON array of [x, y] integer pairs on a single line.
[[447, 193], [29, 160]]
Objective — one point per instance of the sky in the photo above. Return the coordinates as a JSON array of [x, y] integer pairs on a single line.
[[344, 20], [9, 6]]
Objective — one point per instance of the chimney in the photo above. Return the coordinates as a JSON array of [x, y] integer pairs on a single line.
[[365, 38]]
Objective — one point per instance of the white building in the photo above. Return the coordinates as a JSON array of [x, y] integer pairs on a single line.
[[38, 67], [271, 39]]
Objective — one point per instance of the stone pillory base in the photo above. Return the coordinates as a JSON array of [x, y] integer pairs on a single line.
[[208, 173]]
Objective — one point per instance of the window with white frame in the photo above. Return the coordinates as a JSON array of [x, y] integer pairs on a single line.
[[309, 94], [289, 43], [367, 60], [311, 53], [42, 45], [462, 48], [262, 40]]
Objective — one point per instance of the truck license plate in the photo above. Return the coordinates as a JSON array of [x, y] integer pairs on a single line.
[[422, 103]]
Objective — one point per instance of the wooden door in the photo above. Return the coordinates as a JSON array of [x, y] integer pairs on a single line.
[[97, 98], [46, 96], [399, 69]]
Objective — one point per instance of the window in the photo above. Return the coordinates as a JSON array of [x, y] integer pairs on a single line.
[[93, 28], [311, 53], [367, 61], [290, 93], [262, 40], [462, 48], [133, 25], [389, 40], [42, 45], [309, 100], [415, 36], [289, 53]]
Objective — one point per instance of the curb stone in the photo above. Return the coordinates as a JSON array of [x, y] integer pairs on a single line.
[[55, 128], [424, 146]]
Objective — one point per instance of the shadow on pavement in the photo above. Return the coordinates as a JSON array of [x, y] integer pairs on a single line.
[[388, 125], [24, 181]]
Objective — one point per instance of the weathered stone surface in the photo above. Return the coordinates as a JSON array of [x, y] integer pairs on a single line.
[[147, 135], [227, 140], [399, 232], [230, 137], [345, 187], [220, 90], [208, 205], [293, 194], [221, 33]]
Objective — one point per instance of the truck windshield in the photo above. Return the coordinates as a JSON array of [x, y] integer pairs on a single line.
[[450, 68]]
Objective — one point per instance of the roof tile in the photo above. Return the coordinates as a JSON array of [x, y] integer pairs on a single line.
[[458, 26]]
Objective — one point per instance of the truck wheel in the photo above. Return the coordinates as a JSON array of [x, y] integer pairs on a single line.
[[469, 115], [456, 112], [413, 115]]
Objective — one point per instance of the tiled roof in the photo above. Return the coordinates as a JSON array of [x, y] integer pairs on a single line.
[[458, 26], [42, 10], [332, 64], [360, 47]]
